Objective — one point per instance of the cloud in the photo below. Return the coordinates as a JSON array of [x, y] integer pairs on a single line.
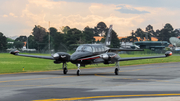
[[124, 9], [20, 20], [143, 3], [5, 15], [12, 14]]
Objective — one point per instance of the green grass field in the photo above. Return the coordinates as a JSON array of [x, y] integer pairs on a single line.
[[14, 64]]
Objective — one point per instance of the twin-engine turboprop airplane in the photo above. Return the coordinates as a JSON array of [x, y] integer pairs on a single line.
[[91, 54]]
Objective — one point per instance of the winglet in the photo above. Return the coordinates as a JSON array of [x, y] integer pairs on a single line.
[[108, 37], [14, 52], [168, 53]]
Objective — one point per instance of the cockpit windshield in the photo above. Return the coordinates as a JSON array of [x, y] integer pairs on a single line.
[[84, 48]]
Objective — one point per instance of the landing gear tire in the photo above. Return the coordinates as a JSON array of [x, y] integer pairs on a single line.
[[116, 71], [65, 70], [78, 72]]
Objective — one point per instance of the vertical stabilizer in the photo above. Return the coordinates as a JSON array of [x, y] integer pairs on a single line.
[[108, 37]]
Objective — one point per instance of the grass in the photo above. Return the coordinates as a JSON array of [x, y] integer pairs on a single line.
[[14, 64]]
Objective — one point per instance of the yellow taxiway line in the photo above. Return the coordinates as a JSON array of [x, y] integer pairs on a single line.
[[111, 96]]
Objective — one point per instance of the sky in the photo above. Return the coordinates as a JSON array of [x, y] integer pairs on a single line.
[[18, 17]]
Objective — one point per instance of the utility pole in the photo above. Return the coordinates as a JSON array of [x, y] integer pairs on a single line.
[[49, 40], [27, 43]]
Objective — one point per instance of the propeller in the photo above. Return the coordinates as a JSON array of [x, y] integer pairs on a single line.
[[61, 57]]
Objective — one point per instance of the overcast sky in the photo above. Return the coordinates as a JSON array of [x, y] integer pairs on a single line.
[[18, 17]]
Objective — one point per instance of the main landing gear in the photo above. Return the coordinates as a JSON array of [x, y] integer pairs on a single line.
[[116, 71], [65, 70], [78, 71]]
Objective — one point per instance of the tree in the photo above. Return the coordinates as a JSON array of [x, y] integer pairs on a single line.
[[39, 33], [140, 33], [65, 29], [59, 42], [168, 27], [10, 43], [32, 44], [21, 39], [157, 33], [149, 32], [101, 28], [40, 37], [88, 35], [132, 38], [177, 32], [115, 42], [166, 33], [53, 31], [74, 36], [3, 42], [18, 44]]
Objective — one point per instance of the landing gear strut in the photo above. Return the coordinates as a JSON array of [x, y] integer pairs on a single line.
[[78, 71], [116, 71], [65, 70]]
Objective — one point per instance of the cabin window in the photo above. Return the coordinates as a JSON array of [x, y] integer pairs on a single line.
[[79, 48], [103, 49], [97, 50], [94, 50], [84, 48], [100, 50]]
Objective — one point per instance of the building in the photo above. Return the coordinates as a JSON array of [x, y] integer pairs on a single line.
[[153, 45], [100, 37]]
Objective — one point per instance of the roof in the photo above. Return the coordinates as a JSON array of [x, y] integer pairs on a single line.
[[152, 39], [100, 37], [151, 42]]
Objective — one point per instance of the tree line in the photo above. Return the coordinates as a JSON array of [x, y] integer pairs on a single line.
[[162, 35], [70, 38], [66, 40]]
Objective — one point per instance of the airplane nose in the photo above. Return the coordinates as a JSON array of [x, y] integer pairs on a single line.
[[73, 58]]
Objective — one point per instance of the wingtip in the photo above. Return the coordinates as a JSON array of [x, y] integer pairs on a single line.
[[14, 52], [168, 53]]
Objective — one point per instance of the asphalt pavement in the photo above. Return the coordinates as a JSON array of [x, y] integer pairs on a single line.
[[133, 82]]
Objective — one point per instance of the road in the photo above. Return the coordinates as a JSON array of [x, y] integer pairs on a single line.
[[133, 82]]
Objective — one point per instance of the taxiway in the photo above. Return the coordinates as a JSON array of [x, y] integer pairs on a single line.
[[139, 81]]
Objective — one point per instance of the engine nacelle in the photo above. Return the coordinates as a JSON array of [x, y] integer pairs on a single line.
[[57, 62], [61, 57], [105, 56]]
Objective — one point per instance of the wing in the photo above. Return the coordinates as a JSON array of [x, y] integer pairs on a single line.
[[16, 52], [138, 58], [117, 49], [168, 53], [117, 58]]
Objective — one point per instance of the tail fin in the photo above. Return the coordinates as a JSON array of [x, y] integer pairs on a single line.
[[108, 37]]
